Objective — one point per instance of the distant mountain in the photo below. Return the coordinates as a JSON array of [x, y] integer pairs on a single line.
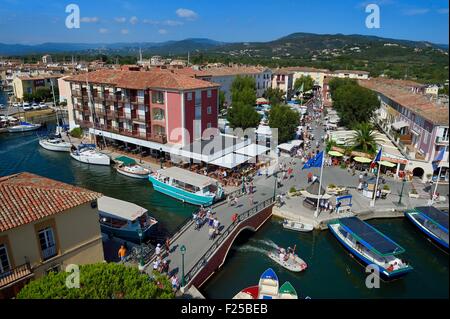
[[168, 47]]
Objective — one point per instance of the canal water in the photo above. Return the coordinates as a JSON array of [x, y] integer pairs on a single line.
[[331, 272]]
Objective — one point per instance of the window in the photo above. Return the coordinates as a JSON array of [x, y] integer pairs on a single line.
[[209, 110], [189, 96], [47, 243], [209, 125], [209, 93], [158, 97], [4, 260]]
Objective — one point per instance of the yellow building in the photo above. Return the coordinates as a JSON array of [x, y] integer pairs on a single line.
[[30, 84], [45, 225]]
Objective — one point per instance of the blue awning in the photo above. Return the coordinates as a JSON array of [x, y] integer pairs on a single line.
[[370, 237], [435, 215]]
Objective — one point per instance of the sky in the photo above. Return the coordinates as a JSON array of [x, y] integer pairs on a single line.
[[108, 21]]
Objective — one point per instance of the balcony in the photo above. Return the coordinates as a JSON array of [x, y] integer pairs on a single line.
[[406, 139], [86, 124], [86, 112], [100, 112], [441, 140], [49, 252], [14, 275], [111, 114], [98, 99], [134, 100], [79, 93], [158, 138], [123, 99], [111, 97]]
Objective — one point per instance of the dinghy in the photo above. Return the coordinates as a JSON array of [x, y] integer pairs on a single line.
[[248, 293], [287, 291], [297, 226], [268, 285], [288, 260], [23, 127], [128, 167]]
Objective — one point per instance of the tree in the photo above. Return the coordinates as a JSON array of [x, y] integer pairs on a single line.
[[41, 94], [221, 100], [364, 138], [274, 96], [353, 103], [306, 81], [100, 281], [285, 120], [242, 113]]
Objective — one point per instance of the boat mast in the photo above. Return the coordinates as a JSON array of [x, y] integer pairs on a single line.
[[54, 103], [88, 89]]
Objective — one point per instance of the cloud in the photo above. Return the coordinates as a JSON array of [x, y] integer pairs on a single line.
[[162, 31], [442, 11], [150, 21], [172, 23], [186, 14], [134, 20], [103, 30], [120, 19], [124, 31], [89, 19], [415, 12]]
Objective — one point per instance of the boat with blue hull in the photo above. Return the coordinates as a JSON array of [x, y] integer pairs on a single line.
[[370, 246], [125, 220], [187, 186], [432, 222]]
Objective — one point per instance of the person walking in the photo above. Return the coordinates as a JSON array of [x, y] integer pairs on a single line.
[[310, 176], [211, 232], [158, 250], [167, 245], [122, 253]]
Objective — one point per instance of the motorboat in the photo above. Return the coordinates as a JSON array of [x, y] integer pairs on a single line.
[[268, 285], [23, 127], [248, 293], [288, 259], [128, 167], [55, 143], [297, 226], [186, 186], [125, 220], [370, 246], [87, 153], [432, 222], [287, 291]]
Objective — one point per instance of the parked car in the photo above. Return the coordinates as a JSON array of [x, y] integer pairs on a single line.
[[35, 106], [26, 107], [2, 107], [16, 104], [42, 105]]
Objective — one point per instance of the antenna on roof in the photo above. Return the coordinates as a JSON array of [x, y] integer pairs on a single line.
[[140, 55], [188, 59]]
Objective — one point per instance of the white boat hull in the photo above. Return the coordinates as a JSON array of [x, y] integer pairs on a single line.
[[295, 264], [97, 160], [133, 175], [297, 226], [23, 128], [56, 147]]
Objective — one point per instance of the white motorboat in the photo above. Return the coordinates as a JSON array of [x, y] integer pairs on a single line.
[[268, 285], [128, 167], [55, 143], [23, 127], [86, 153], [288, 260], [297, 226]]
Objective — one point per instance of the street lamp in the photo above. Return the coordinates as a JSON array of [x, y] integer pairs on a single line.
[[401, 191], [161, 157], [183, 251], [141, 257]]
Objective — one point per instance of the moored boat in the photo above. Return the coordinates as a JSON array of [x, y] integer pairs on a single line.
[[186, 186], [268, 285], [124, 220], [297, 226], [248, 293], [288, 259], [86, 153], [287, 291], [432, 222], [370, 246], [23, 127], [55, 143], [128, 167]]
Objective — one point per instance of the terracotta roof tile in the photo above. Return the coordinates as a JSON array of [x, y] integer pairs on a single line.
[[141, 80], [27, 197]]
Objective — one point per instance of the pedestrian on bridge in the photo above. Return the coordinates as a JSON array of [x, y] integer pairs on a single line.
[[167, 245], [211, 233], [158, 250]]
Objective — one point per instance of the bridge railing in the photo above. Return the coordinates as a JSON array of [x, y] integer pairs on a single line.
[[224, 235]]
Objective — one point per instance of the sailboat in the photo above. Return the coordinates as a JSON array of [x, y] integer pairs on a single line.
[[23, 127], [55, 142]]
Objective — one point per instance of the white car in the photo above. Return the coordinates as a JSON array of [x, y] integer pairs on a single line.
[[42, 105], [35, 106], [2, 107], [26, 107], [16, 104]]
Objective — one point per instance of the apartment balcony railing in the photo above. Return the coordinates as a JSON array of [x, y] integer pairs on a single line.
[[158, 138], [123, 99], [49, 252], [86, 112], [441, 140], [86, 124], [406, 139], [111, 97], [111, 114], [100, 112], [99, 99], [14, 275]]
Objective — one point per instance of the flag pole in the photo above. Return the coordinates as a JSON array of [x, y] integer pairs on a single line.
[[437, 182], [316, 214], [374, 196]]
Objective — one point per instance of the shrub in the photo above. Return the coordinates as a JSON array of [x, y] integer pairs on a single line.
[[331, 186], [386, 187], [292, 190], [100, 281], [76, 132], [343, 166]]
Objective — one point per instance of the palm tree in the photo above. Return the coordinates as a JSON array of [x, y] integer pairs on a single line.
[[364, 138]]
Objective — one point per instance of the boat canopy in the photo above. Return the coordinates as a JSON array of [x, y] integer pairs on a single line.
[[435, 215], [187, 177], [119, 208], [370, 237], [81, 146], [126, 160]]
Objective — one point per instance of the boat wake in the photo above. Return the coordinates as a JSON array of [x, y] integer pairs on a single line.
[[248, 248], [265, 242]]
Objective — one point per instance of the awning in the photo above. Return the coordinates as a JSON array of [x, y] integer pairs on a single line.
[[126, 160], [261, 100], [230, 160], [252, 150], [335, 153], [399, 125], [362, 159], [286, 147], [296, 143], [387, 164]]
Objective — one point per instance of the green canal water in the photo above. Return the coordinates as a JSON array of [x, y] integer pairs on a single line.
[[332, 273]]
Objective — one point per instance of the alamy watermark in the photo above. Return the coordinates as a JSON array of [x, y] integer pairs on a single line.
[[373, 19], [373, 279], [73, 279], [73, 19]]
